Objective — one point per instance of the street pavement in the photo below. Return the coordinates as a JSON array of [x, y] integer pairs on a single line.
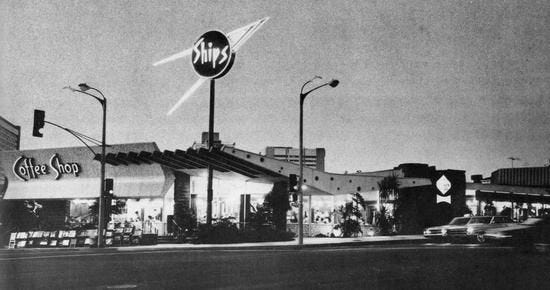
[[397, 262]]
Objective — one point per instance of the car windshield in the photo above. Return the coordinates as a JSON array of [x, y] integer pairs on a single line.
[[459, 221], [531, 221], [480, 220]]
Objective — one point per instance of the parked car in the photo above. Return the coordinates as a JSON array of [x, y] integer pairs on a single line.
[[440, 232], [526, 234], [476, 227]]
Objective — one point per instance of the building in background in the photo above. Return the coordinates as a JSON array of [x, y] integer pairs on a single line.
[[9, 135], [313, 158], [515, 192], [204, 138]]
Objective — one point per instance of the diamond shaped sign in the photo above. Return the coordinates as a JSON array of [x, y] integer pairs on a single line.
[[443, 184]]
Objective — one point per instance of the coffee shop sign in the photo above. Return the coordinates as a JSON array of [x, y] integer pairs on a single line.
[[25, 168]]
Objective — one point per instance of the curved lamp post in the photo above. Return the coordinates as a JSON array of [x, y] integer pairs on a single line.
[[332, 83], [83, 89]]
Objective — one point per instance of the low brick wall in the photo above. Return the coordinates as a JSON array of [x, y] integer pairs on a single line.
[[311, 230]]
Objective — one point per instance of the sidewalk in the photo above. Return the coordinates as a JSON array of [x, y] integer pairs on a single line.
[[308, 243]]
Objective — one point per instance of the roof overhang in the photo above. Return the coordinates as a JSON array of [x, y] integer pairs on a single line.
[[230, 162], [141, 171], [321, 182], [195, 162]]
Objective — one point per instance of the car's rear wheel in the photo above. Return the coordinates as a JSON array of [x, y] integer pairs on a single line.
[[480, 237]]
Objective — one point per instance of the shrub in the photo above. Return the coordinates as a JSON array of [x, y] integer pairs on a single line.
[[383, 222], [225, 232]]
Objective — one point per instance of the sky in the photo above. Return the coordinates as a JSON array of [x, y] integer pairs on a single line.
[[455, 84]]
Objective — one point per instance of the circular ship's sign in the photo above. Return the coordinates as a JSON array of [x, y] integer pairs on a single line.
[[212, 56]]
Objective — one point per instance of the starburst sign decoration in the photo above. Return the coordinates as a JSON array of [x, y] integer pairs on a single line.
[[213, 53]]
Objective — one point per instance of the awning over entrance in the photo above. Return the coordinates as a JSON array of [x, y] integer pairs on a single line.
[[72, 173]]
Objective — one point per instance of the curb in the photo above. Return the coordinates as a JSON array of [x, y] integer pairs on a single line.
[[224, 247], [215, 247]]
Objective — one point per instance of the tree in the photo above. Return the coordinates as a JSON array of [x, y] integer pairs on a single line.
[[388, 188], [382, 221], [277, 202], [351, 216], [261, 216], [185, 220]]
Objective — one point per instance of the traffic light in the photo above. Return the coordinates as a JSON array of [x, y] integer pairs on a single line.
[[293, 186], [38, 123], [292, 182], [109, 187], [108, 199]]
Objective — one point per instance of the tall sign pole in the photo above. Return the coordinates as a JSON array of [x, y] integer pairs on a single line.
[[209, 190], [211, 58]]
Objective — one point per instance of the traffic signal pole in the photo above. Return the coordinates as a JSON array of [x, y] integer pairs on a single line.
[[39, 124]]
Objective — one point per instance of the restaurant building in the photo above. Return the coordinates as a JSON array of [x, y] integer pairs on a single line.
[[160, 186], [157, 188], [61, 184]]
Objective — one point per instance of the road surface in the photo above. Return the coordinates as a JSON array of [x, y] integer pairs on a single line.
[[418, 266]]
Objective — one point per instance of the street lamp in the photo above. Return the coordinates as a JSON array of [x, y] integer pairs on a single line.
[[333, 83], [84, 88]]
